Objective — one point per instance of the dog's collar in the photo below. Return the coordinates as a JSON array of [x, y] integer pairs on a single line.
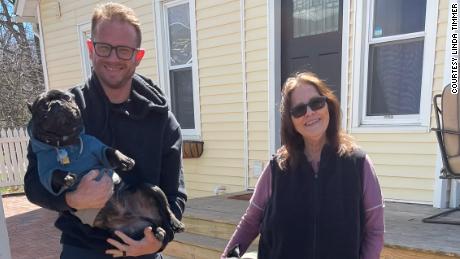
[[63, 156]]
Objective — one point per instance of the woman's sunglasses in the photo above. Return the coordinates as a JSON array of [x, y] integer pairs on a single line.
[[315, 104]]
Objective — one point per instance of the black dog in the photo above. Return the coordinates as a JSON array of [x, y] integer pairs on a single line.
[[65, 154]]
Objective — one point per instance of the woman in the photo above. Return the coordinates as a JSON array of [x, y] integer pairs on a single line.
[[319, 197]]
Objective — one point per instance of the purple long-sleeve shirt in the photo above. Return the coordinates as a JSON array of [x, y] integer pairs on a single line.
[[372, 244]]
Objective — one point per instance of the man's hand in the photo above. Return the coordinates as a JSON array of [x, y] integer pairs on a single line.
[[91, 193], [130, 247]]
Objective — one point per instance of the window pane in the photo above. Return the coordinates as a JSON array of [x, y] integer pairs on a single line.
[[179, 35], [392, 17], [311, 17], [182, 97], [395, 78]]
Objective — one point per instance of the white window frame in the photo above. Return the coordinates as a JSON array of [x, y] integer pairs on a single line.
[[162, 41], [82, 29], [363, 38]]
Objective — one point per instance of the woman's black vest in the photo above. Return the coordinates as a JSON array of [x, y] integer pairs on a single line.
[[315, 216]]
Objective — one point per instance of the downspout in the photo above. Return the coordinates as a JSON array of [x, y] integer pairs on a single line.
[[42, 48], [245, 95]]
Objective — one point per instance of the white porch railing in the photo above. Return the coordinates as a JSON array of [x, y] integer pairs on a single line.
[[13, 156]]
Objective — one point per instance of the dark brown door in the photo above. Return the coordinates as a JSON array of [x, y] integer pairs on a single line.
[[311, 39]]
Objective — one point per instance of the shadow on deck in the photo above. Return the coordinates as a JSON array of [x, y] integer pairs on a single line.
[[210, 221]]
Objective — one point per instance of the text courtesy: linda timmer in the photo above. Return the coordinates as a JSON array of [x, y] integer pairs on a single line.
[[454, 49]]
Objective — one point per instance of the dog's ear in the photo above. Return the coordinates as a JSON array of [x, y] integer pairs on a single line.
[[29, 106], [71, 95]]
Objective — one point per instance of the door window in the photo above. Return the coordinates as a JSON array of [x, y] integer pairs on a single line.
[[312, 17]]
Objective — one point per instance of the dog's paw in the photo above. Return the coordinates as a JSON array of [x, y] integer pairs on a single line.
[[159, 234], [126, 163], [176, 225]]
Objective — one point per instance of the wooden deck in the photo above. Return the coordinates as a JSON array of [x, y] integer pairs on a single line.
[[406, 236], [213, 219]]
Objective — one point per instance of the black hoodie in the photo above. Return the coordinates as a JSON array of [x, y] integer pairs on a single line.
[[142, 128]]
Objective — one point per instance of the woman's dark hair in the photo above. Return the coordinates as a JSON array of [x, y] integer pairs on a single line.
[[292, 150]]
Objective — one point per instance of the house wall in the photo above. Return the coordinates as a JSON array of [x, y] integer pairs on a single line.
[[256, 46], [62, 43], [221, 94], [218, 24], [405, 161]]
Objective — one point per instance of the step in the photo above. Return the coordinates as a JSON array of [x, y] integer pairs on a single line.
[[194, 246], [209, 228], [215, 216]]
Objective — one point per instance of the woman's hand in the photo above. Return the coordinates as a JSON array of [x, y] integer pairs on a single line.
[[130, 247]]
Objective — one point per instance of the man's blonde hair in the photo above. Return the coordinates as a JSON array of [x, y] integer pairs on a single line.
[[115, 12]]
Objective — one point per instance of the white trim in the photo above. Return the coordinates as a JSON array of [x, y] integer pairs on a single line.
[[245, 94], [195, 75], [360, 72], [274, 74], [163, 68], [160, 48], [397, 37], [357, 68], [82, 28], [344, 65], [390, 129], [176, 67], [440, 198], [429, 52], [42, 49]]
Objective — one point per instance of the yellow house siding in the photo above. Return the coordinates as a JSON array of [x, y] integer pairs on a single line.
[[256, 47], [62, 42], [221, 94], [404, 163], [221, 100]]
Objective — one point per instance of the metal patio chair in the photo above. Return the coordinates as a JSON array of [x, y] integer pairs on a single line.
[[448, 134]]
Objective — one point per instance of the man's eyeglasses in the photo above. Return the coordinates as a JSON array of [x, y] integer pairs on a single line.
[[104, 50], [315, 104]]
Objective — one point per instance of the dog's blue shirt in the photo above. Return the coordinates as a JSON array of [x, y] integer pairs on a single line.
[[88, 154]]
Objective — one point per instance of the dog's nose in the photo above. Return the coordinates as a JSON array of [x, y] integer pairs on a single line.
[[55, 107]]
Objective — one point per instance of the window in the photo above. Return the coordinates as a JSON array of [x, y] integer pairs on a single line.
[[177, 62], [312, 17], [84, 33], [396, 62]]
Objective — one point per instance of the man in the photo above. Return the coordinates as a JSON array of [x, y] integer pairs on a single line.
[[128, 112]]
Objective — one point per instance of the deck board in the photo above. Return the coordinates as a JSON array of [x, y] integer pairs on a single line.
[[403, 223]]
